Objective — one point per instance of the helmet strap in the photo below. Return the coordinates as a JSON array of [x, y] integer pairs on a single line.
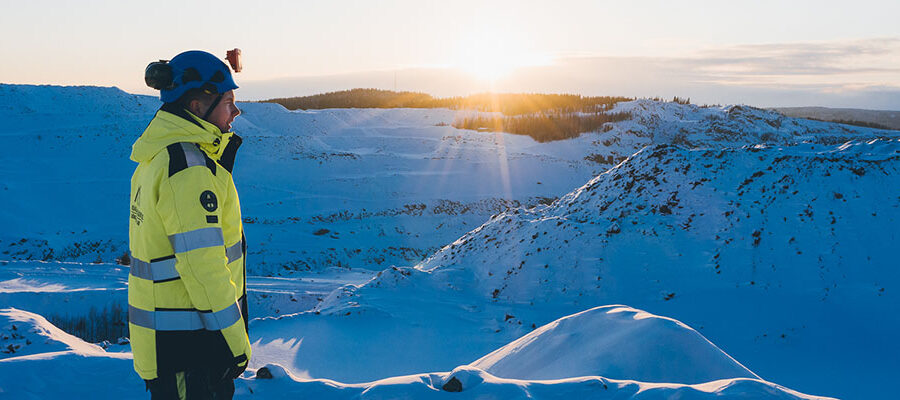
[[212, 107]]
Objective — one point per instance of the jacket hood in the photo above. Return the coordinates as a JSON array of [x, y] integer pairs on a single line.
[[167, 128]]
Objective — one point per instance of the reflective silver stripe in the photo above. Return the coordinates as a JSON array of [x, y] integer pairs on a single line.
[[236, 251], [219, 320], [184, 320], [155, 271], [192, 155], [141, 269], [197, 239], [140, 317], [165, 320]]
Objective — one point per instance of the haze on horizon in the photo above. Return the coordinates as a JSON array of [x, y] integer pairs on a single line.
[[765, 53]]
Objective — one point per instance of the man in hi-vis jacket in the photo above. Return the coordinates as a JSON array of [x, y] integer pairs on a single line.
[[187, 302]]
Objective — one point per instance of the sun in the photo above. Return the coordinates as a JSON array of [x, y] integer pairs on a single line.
[[491, 64], [490, 55]]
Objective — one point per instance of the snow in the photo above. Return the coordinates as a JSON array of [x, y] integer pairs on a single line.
[[390, 252], [615, 342], [773, 265], [479, 384], [85, 370]]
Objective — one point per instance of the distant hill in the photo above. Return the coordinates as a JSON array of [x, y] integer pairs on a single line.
[[507, 103], [544, 117], [852, 116]]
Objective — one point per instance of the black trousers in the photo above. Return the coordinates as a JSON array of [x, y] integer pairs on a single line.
[[192, 385]]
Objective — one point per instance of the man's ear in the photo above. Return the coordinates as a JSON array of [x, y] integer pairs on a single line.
[[196, 107]]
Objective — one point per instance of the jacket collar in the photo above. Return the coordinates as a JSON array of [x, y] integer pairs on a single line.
[[174, 124]]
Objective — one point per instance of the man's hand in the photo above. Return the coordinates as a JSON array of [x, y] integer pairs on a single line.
[[236, 370]]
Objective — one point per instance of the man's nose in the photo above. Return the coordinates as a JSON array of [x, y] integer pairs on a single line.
[[237, 111]]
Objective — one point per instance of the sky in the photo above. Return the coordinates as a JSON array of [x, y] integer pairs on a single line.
[[765, 53]]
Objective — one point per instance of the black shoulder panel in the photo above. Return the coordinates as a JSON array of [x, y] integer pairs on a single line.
[[184, 155], [227, 158], [177, 161], [210, 164]]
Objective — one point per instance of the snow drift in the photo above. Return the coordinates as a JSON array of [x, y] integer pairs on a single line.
[[615, 342], [89, 372]]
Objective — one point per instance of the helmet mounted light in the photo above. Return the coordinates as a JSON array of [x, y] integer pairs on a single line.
[[234, 58]]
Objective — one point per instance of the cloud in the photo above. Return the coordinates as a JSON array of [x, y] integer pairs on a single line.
[[876, 61]]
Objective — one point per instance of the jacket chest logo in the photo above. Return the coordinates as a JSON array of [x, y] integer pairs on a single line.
[[208, 201]]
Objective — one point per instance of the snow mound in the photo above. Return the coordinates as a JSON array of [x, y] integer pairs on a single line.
[[23, 333], [62, 110], [615, 342]]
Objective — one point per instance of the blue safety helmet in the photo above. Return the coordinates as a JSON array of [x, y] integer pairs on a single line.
[[193, 69]]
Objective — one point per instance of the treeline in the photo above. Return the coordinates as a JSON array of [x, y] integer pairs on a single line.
[[109, 323], [542, 127], [358, 98], [531, 103], [506, 103]]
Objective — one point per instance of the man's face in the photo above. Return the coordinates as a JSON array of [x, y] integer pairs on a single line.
[[225, 112]]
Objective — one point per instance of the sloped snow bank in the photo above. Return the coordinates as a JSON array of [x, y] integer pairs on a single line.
[[24, 333], [615, 342]]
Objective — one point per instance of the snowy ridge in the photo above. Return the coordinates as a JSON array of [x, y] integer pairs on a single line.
[[65, 110], [741, 209], [731, 126]]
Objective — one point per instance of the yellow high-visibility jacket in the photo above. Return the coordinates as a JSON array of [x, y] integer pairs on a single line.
[[187, 303]]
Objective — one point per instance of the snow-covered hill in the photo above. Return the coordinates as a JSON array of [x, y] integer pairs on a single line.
[[773, 252], [360, 188], [806, 216]]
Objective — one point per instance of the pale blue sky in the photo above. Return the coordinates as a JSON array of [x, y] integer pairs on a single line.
[[110, 42]]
